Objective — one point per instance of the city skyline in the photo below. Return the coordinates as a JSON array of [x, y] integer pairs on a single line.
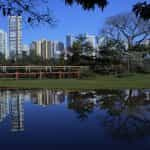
[[13, 46]]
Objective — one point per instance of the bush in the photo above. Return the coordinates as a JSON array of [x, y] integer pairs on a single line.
[[87, 74], [122, 75]]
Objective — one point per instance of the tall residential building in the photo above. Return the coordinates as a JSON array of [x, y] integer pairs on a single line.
[[70, 40], [35, 47], [3, 44], [91, 39], [15, 35], [25, 49], [146, 42], [58, 48], [47, 49]]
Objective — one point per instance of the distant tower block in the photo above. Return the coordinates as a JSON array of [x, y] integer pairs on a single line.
[[15, 36]]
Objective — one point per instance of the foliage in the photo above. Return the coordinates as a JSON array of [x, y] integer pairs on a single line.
[[2, 59], [32, 14], [81, 51], [127, 27], [88, 4], [29, 9], [140, 48], [87, 74], [142, 9], [110, 52]]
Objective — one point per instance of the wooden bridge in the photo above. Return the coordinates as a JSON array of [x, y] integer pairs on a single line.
[[40, 72]]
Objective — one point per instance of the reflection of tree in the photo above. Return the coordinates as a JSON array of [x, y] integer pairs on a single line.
[[127, 114], [81, 104]]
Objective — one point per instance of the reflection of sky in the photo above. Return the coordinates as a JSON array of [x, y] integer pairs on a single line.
[[57, 123]]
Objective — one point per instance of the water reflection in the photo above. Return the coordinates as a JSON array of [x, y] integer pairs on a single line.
[[82, 103], [47, 97], [120, 113], [11, 104], [128, 113]]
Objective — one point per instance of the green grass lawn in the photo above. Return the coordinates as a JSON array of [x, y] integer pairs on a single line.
[[100, 82]]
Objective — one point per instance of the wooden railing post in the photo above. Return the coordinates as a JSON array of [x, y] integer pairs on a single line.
[[40, 75], [17, 75], [78, 75], [60, 75]]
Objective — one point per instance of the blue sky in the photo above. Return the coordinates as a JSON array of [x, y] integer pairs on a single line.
[[72, 20]]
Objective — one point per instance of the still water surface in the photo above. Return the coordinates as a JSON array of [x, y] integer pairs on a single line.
[[75, 117]]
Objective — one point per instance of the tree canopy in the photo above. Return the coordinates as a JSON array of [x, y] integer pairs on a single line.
[[127, 27], [89, 4], [141, 9], [29, 10], [38, 11]]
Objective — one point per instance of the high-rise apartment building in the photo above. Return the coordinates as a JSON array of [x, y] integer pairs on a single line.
[[70, 40], [91, 39], [47, 49], [15, 36], [58, 48], [3, 44]]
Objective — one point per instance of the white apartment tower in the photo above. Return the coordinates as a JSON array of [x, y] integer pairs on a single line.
[[15, 36], [3, 44], [70, 40]]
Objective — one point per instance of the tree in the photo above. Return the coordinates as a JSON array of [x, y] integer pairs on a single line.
[[110, 52], [29, 10], [2, 58], [142, 9], [81, 50], [76, 51], [88, 4], [127, 27]]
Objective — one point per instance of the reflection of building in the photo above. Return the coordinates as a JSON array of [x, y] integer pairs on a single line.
[[12, 104], [17, 112], [47, 97], [4, 105]]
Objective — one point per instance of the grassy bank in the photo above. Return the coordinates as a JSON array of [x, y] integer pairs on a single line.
[[100, 82]]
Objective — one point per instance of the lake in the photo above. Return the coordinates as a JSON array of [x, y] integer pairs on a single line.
[[105, 117]]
